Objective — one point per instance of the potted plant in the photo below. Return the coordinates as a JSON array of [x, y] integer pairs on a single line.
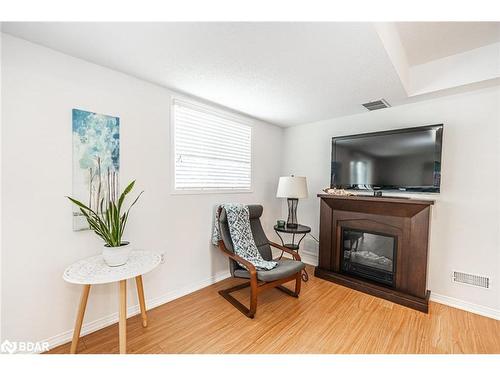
[[108, 222]]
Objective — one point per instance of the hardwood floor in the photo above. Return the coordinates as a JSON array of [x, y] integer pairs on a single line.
[[327, 318]]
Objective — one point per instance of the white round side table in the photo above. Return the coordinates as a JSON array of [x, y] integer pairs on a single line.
[[93, 270]]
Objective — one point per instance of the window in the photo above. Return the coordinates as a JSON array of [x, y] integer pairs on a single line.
[[212, 149]]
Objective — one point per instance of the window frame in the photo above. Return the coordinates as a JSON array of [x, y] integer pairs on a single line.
[[223, 112]]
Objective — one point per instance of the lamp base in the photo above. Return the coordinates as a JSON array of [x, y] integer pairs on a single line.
[[292, 213]]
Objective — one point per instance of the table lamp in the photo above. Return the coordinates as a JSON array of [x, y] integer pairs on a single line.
[[292, 188]]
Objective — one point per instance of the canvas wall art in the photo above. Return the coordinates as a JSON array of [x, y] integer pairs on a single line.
[[96, 160]]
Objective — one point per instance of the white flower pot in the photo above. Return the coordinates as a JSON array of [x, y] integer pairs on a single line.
[[116, 256]]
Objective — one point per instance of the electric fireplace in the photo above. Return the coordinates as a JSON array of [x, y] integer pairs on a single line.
[[377, 245], [369, 255]]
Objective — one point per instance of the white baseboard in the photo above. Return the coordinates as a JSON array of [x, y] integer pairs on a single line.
[[467, 306], [309, 257], [103, 322]]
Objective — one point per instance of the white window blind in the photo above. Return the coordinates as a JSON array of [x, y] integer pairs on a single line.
[[212, 149]]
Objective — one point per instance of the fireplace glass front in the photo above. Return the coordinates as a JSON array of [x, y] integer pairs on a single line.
[[369, 255]]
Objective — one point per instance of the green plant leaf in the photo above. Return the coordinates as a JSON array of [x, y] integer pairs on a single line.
[[101, 206], [80, 204], [94, 225], [108, 222], [127, 190], [135, 201]]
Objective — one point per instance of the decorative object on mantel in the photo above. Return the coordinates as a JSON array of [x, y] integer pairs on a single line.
[[108, 222], [340, 192], [96, 159], [292, 188]]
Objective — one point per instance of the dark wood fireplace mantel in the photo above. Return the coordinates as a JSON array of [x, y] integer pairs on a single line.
[[406, 220]]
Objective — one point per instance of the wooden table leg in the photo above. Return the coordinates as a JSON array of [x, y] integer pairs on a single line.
[[142, 302], [122, 324], [79, 318]]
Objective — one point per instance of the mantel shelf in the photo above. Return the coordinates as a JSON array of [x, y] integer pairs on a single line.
[[378, 199]]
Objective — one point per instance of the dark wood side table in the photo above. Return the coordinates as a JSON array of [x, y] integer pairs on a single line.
[[300, 230]]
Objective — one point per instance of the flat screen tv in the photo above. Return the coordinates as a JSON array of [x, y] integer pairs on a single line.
[[404, 159]]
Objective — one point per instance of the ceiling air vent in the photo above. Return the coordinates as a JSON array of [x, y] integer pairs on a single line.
[[470, 279], [377, 104]]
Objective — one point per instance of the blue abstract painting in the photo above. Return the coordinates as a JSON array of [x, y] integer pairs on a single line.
[[96, 160]]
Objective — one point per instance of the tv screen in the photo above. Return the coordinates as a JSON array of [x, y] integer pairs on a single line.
[[405, 159]]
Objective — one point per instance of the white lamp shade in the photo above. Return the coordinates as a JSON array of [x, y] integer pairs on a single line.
[[292, 187]]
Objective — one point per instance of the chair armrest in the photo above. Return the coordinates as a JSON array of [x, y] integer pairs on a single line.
[[295, 254], [249, 266]]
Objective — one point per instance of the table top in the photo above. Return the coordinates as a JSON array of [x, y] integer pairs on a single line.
[[300, 229], [93, 270]]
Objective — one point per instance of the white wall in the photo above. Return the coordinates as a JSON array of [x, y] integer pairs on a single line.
[[39, 89], [465, 220]]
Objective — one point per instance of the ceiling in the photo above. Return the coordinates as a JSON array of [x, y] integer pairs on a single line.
[[284, 73], [427, 41]]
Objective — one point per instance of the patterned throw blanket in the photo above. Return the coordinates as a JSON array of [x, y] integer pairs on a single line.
[[238, 219]]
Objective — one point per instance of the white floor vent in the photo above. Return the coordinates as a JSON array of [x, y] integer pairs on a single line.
[[469, 279]]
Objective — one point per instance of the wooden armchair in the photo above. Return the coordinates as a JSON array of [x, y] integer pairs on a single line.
[[286, 270]]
